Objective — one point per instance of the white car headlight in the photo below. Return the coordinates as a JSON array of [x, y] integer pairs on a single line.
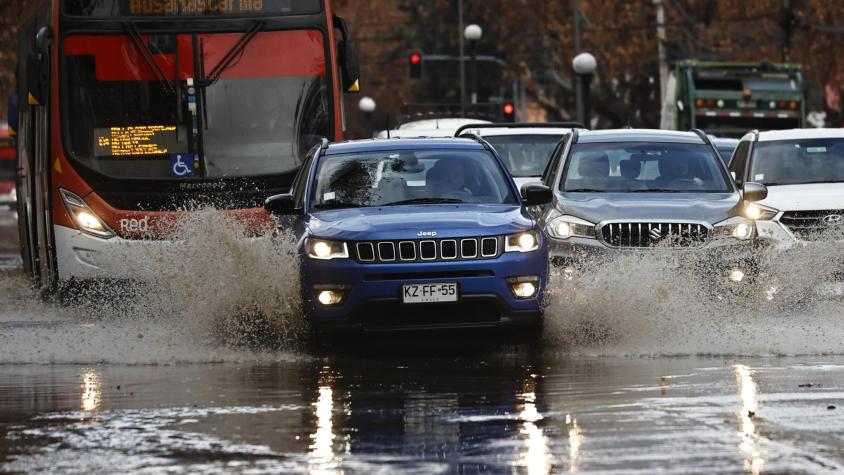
[[564, 227], [325, 249], [737, 227], [758, 212], [522, 242], [85, 218]]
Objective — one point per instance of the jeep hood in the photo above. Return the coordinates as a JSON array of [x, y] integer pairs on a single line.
[[597, 207], [406, 222]]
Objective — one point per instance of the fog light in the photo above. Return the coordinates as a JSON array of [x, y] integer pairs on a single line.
[[330, 297], [736, 275], [524, 287]]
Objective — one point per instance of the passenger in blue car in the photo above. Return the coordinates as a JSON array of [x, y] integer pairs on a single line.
[[415, 234]]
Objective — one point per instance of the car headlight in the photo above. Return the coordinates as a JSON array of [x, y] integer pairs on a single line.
[[10, 197], [86, 220], [522, 242], [758, 212], [326, 249], [738, 228], [564, 227]]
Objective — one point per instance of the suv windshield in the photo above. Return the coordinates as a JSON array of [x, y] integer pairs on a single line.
[[524, 155], [410, 177], [644, 167], [792, 162], [259, 101]]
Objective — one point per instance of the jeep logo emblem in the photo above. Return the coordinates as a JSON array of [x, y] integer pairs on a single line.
[[427, 234], [833, 219]]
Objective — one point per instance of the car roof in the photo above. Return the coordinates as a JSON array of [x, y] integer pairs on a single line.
[[724, 141], [417, 133], [487, 132], [378, 145], [800, 134], [638, 135], [444, 123]]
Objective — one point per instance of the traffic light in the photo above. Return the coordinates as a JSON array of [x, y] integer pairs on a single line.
[[509, 111], [414, 61]]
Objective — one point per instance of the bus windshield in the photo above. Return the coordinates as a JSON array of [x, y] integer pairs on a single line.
[[793, 162], [212, 105]]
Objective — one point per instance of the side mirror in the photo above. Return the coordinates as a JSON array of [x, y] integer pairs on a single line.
[[536, 194], [348, 57], [755, 191], [281, 205], [12, 113], [44, 38]]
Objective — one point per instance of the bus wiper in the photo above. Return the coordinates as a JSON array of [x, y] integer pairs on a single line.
[[143, 49], [425, 201], [231, 54], [338, 205]]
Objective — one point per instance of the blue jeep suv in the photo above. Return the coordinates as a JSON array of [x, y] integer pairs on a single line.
[[405, 234]]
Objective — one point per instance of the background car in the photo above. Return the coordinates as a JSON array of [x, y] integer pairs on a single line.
[[8, 197], [804, 172], [444, 127], [725, 147], [627, 190], [415, 234], [524, 147]]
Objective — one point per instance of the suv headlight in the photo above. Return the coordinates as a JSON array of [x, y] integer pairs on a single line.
[[522, 242], [758, 212], [325, 249], [564, 227], [737, 227]]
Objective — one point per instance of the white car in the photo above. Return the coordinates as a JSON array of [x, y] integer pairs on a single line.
[[429, 128], [524, 147], [804, 172]]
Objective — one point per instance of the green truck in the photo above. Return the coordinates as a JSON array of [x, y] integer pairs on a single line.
[[729, 99]]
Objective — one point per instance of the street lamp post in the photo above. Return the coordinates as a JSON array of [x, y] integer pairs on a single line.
[[584, 65], [473, 34], [367, 106]]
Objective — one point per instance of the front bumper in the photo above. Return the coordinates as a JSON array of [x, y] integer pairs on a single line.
[[718, 258], [372, 299]]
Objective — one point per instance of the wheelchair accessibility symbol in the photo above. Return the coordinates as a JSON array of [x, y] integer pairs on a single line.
[[182, 164]]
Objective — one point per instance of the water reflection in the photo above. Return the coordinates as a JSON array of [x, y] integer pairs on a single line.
[[91, 392], [749, 446], [536, 458], [575, 440], [322, 458]]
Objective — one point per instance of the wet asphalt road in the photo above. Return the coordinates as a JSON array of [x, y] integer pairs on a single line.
[[508, 410]]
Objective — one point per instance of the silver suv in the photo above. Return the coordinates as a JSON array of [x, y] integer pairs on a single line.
[[644, 190]]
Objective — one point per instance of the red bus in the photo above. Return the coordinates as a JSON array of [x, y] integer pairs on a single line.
[[133, 111]]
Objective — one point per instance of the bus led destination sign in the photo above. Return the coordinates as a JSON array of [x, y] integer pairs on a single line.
[[136, 140], [163, 8]]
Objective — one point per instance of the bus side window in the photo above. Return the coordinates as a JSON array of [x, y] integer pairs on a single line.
[[739, 162]]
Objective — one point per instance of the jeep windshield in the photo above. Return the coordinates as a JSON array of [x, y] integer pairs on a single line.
[[195, 105], [394, 178], [524, 155], [641, 167], [793, 162]]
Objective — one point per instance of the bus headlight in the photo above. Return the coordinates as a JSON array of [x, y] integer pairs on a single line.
[[325, 249], [522, 242], [84, 217], [564, 227], [758, 212], [738, 228]]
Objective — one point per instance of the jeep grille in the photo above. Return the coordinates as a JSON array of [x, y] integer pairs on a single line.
[[427, 250]]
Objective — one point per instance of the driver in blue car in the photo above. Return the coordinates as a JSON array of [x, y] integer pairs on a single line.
[[415, 234]]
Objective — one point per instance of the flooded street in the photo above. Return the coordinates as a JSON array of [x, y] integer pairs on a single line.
[[653, 376], [503, 412]]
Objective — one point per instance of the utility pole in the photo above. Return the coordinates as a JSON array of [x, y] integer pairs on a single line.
[[462, 61], [661, 38], [578, 84]]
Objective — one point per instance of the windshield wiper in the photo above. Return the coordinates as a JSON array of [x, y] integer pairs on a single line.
[[143, 49], [231, 54], [415, 201], [338, 205]]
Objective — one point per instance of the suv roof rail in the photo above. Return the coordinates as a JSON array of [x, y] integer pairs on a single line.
[[521, 125]]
